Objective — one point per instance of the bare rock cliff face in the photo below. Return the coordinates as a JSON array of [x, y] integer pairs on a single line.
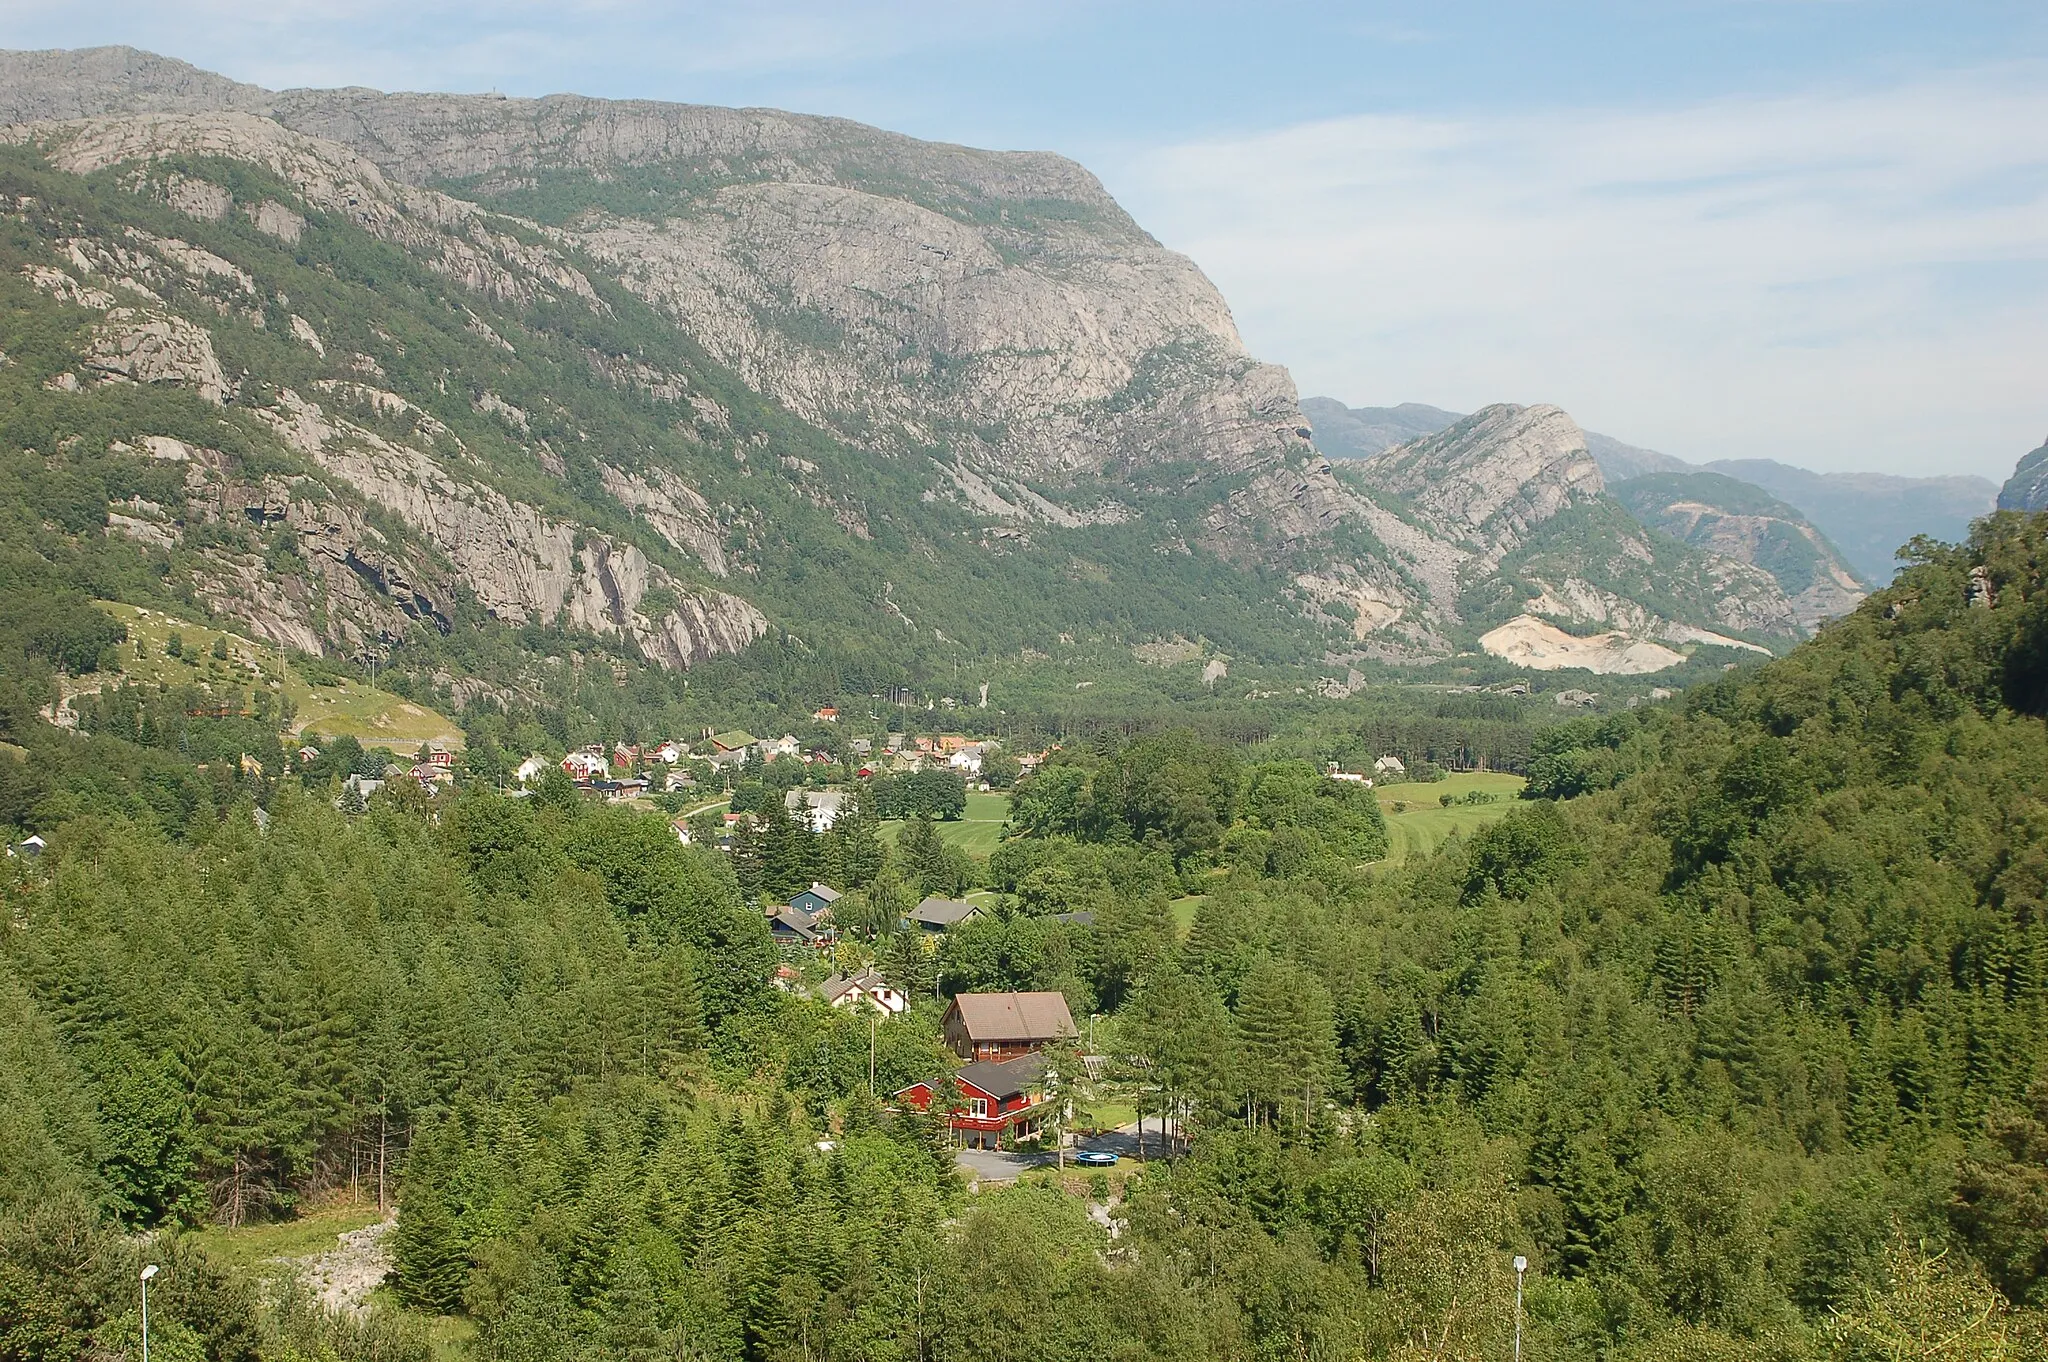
[[904, 294], [1489, 480], [2027, 489]]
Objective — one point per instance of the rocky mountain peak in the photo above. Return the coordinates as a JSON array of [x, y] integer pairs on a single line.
[[1493, 476], [2027, 488]]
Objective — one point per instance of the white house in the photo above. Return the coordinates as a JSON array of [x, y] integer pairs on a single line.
[[818, 808], [784, 746], [668, 752], [866, 989], [532, 769], [967, 760], [1389, 765]]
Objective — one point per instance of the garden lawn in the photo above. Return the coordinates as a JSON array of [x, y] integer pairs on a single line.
[[1418, 823]]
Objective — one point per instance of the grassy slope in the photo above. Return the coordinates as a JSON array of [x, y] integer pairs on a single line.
[[1423, 824], [376, 717], [976, 833]]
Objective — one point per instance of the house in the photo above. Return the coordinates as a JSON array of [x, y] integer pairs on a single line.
[[678, 780], [784, 746], [737, 740], [29, 847], [937, 914], [364, 786], [861, 747], [308, 755], [818, 808], [531, 769], [966, 759], [794, 927], [625, 756], [426, 773], [826, 714], [815, 900], [1005, 1025], [585, 766], [680, 826], [1389, 765], [1332, 772], [865, 989], [439, 755], [726, 760], [786, 978], [668, 753], [995, 1102]]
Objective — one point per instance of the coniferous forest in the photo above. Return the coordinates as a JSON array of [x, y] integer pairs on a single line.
[[1732, 1027]]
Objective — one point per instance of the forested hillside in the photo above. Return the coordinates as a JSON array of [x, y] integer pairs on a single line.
[[1732, 1029]]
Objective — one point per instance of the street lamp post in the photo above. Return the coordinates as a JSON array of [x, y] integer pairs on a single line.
[[147, 1272], [1521, 1266]]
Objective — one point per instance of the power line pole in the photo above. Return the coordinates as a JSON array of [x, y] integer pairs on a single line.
[[1521, 1266]]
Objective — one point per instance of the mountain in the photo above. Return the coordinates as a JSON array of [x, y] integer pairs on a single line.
[[1360, 432], [1737, 520], [1716, 513], [379, 374], [1508, 538], [2027, 488], [1865, 516], [1871, 514], [723, 375]]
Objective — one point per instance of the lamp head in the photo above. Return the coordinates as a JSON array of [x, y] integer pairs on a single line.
[[1521, 1264], [149, 1271]]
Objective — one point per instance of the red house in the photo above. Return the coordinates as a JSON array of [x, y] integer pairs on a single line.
[[998, 1102], [998, 1026]]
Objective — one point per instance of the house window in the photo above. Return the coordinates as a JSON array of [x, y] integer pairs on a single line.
[[977, 1106]]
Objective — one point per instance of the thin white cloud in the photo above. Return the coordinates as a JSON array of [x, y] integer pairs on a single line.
[[1855, 280]]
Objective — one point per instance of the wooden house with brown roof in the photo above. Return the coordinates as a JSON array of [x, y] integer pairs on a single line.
[[1000, 1026]]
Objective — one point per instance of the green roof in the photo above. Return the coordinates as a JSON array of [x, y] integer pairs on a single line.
[[739, 737]]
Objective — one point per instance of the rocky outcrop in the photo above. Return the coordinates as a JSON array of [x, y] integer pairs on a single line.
[[144, 347], [1736, 521], [450, 236], [1487, 482], [522, 564], [2027, 488]]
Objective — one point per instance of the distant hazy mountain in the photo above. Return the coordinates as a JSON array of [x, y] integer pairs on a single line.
[[1507, 531], [1867, 515], [1871, 514], [1360, 432], [2026, 490], [1738, 520]]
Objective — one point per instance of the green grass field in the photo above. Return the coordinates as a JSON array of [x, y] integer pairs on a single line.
[[374, 717], [1183, 911], [1417, 822], [977, 832]]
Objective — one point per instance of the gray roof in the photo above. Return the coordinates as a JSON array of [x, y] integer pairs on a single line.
[[836, 986], [938, 912], [1006, 1079], [794, 922]]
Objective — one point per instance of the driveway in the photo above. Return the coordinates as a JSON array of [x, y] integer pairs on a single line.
[[989, 1165]]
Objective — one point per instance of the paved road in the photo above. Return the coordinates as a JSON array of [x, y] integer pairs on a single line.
[[989, 1165]]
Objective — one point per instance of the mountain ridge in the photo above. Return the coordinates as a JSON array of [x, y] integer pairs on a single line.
[[1864, 516], [641, 367]]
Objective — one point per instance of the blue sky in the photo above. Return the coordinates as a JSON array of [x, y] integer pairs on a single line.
[[1814, 230]]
